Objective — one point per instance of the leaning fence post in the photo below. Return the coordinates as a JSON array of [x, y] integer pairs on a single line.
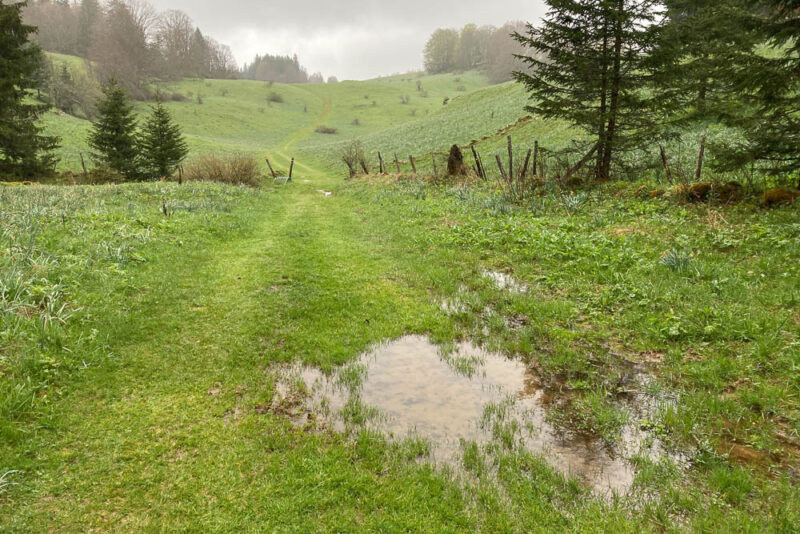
[[397, 162], [699, 171], [271, 170], [477, 163], [413, 165], [525, 167], [83, 164], [502, 170]]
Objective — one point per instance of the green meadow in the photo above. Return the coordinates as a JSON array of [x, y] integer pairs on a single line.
[[142, 327]]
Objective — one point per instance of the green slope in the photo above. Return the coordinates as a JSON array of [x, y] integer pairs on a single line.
[[403, 114]]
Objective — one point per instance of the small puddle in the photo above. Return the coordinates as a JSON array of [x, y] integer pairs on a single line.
[[466, 395], [505, 281]]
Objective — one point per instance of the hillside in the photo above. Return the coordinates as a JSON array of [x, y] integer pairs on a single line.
[[406, 114]]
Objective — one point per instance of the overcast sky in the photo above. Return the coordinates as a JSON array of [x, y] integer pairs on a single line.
[[351, 39]]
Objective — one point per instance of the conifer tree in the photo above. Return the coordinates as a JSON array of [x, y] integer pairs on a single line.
[[113, 137], [24, 151], [162, 144], [588, 66], [699, 41], [769, 85]]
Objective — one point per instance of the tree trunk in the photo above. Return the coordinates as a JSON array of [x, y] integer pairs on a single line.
[[698, 173], [599, 176], [616, 81]]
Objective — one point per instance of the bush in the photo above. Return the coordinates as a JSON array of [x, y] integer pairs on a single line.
[[354, 157], [178, 97], [326, 130], [237, 169], [275, 97]]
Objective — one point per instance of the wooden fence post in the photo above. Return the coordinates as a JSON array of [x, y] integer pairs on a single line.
[[291, 168], [83, 164], [271, 170], [481, 174], [502, 170], [665, 161], [380, 163], [510, 159], [699, 171], [397, 162], [578, 166], [525, 167], [413, 165], [180, 174], [535, 171]]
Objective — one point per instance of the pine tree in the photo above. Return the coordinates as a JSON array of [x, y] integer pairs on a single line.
[[113, 137], [769, 85], [588, 66], [64, 91], [698, 43], [24, 151], [162, 144]]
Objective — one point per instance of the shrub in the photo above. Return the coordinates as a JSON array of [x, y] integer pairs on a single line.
[[178, 97], [326, 130], [235, 169], [356, 122], [275, 97], [353, 156]]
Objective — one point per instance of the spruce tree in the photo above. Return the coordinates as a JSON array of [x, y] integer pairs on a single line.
[[24, 151], [113, 137], [162, 144], [699, 41], [589, 67], [768, 81]]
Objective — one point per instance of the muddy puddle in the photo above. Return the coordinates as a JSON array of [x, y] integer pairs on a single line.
[[411, 388]]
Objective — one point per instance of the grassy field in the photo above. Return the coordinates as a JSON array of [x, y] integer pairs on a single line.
[[138, 350]]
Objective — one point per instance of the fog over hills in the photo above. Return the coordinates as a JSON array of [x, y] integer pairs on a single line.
[[354, 39]]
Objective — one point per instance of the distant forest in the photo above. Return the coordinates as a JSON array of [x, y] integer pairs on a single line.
[[485, 48], [130, 41], [280, 69]]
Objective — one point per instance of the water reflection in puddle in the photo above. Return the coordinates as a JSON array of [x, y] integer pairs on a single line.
[[447, 399]]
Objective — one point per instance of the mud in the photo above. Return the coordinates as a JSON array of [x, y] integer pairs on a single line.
[[467, 394]]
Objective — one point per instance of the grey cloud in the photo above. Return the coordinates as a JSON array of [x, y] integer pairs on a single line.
[[348, 38]]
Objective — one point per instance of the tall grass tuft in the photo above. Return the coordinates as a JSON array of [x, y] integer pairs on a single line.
[[236, 169]]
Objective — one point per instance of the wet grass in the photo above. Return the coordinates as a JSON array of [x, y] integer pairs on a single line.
[[136, 350], [152, 370]]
